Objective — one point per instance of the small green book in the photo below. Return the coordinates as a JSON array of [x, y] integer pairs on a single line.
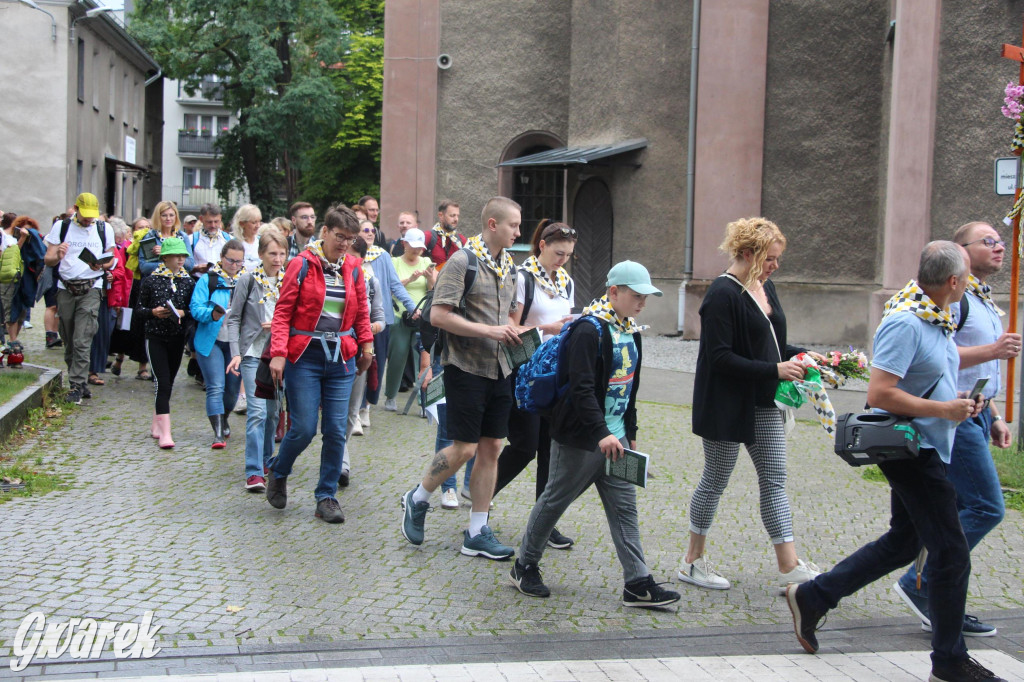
[[631, 468], [518, 356], [434, 390]]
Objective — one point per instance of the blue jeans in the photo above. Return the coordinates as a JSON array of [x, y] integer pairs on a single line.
[[312, 384], [979, 497], [221, 389], [260, 422], [923, 506]]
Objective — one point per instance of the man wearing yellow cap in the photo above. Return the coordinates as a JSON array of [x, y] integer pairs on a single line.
[[74, 246]]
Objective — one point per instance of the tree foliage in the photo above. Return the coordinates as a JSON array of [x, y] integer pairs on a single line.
[[275, 59], [346, 165]]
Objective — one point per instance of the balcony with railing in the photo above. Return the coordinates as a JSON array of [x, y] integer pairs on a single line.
[[192, 143], [189, 199]]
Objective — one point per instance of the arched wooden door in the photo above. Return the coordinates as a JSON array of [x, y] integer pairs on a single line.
[[592, 259]]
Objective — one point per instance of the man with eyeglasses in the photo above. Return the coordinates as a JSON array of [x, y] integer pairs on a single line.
[[981, 344], [303, 219], [208, 242]]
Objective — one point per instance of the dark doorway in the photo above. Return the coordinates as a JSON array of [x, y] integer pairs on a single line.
[[592, 218], [110, 190]]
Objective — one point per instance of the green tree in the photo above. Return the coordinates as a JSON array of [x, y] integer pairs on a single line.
[[274, 59], [345, 165]]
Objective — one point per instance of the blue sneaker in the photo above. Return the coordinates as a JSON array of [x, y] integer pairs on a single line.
[[485, 545], [413, 515]]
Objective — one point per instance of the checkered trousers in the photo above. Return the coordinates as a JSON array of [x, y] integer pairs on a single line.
[[768, 453]]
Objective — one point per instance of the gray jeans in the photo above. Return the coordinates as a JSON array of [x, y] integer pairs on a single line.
[[570, 472], [78, 324]]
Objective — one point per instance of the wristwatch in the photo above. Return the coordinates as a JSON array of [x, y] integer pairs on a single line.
[[997, 418]]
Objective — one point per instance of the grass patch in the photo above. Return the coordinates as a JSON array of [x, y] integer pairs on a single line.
[[30, 467], [873, 473], [1010, 465], [13, 381]]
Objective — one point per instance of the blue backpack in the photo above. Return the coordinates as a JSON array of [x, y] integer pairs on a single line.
[[538, 386]]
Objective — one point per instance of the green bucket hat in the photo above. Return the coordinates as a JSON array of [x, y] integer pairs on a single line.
[[173, 246]]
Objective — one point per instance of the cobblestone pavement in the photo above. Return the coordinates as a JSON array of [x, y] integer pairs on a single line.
[[175, 533]]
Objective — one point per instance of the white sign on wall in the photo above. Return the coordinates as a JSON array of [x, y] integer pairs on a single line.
[[129, 151], [1006, 175]]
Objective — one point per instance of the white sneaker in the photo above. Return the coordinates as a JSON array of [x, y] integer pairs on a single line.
[[240, 406], [364, 417], [449, 500], [27, 325], [701, 574], [357, 429], [802, 573], [390, 405]]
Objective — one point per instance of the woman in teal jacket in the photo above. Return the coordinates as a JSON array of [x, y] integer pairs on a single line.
[[210, 302]]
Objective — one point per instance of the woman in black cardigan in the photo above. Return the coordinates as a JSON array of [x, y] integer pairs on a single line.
[[743, 355]]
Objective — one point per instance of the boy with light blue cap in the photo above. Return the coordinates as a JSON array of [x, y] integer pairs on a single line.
[[593, 421]]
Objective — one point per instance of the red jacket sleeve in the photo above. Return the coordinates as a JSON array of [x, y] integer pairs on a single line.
[[288, 299]]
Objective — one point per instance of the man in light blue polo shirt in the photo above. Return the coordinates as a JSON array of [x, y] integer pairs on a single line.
[[913, 374], [981, 344]]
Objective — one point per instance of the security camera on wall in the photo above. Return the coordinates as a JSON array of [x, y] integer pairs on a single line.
[[444, 62]]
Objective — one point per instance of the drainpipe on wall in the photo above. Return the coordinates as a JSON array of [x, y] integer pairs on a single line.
[[152, 79], [691, 162]]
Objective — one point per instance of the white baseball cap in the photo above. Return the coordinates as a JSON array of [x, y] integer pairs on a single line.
[[414, 237]]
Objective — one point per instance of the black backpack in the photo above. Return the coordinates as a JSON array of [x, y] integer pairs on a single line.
[[429, 334]]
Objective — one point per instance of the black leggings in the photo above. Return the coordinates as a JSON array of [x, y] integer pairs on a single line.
[[165, 360], [528, 437]]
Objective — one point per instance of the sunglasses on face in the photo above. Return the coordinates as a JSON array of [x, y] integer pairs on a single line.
[[367, 230]]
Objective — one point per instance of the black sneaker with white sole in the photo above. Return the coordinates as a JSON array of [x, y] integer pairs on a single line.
[[805, 620], [967, 670], [527, 580], [645, 593], [558, 541], [918, 603]]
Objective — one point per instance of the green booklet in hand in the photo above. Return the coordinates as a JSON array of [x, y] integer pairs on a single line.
[[518, 356], [631, 468]]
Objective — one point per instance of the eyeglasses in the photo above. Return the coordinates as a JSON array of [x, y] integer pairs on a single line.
[[987, 241], [342, 239], [367, 230], [234, 261], [306, 217]]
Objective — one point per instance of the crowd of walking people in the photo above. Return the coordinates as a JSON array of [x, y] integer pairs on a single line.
[[324, 316]]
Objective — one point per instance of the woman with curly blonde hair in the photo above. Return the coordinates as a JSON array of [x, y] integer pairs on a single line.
[[742, 357]]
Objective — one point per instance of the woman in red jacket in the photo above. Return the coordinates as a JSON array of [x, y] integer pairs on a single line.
[[319, 339]]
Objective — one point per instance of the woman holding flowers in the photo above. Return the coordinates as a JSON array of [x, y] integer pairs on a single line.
[[163, 305], [248, 324], [741, 359]]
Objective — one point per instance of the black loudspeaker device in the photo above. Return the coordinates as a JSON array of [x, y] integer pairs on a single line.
[[873, 438]]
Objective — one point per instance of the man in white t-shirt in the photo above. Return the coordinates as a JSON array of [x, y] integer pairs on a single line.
[[80, 284], [208, 242]]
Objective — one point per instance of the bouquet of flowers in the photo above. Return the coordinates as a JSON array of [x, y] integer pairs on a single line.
[[1013, 107], [840, 366]]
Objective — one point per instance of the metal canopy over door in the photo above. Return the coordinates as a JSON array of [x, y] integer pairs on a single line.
[[592, 259]]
